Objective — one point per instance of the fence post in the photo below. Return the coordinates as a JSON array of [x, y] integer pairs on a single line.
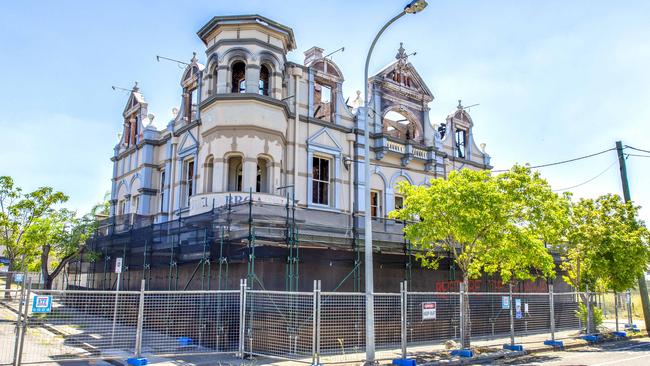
[[512, 318], [19, 321], [403, 315], [551, 305], [629, 308], [25, 322], [616, 308], [138, 330], [242, 316], [588, 310], [462, 313], [315, 360]]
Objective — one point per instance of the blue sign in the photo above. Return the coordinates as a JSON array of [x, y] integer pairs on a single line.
[[4, 260], [505, 302], [18, 277], [518, 313], [42, 304]]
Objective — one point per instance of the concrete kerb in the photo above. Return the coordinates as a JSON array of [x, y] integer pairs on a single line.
[[512, 354]]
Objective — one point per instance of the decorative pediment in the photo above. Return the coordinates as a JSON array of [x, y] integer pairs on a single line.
[[324, 139], [400, 76], [188, 142], [135, 101]]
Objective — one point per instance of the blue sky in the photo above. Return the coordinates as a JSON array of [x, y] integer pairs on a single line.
[[554, 79]]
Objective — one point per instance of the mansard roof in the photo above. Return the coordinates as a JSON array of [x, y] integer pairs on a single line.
[[248, 19]]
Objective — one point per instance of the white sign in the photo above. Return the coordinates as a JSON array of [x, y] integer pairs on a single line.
[[505, 302], [429, 310], [526, 308], [118, 265]]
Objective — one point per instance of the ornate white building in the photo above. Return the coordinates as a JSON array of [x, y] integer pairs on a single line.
[[264, 162], [249, 120]]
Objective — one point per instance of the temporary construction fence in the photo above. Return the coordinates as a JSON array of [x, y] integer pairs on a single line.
[[313, 327]]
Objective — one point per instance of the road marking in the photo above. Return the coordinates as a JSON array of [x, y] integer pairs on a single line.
[[620, 360]]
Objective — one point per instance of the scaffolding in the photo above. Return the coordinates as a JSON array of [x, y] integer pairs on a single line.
[[199, 251]]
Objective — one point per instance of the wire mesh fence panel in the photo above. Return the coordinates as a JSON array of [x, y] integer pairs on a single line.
[[532, 317], [190, 322], [612, 308], [279, 324], [387, 320], [566, 314], [79, 325], [9, 310], [432, 317], [489, 317], [343, 323]]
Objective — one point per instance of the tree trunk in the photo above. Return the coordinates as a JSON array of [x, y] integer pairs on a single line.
[[45, 257], [466, 324]]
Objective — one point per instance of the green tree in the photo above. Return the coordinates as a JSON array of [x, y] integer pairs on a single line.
[[606, 245], [489, 224], [18, 213]]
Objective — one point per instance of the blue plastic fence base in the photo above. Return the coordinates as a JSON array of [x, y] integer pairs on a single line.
[[462, 352], [513, 347], [184, 341], [552, 343], [137, 361], [404, 362], [620, 334], [591, 338]]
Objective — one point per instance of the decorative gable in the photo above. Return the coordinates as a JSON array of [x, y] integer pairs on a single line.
[[400, 77], [324, 139], [188, 143]]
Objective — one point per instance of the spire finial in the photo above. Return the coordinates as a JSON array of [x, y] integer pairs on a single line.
[[401, 52], [460, 104], [194, 59], [135, 87]]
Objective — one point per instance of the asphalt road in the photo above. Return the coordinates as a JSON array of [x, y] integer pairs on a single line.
[[629, 353]]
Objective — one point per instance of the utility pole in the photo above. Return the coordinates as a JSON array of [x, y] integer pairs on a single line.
[[643, 287]]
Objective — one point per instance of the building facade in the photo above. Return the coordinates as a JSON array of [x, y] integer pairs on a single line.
[[249, 120], [263, 163]]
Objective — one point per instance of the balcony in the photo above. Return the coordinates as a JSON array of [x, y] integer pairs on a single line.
[[406, 150]]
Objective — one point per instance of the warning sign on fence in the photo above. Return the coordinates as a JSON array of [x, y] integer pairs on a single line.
[[505, 302], [42, 304], [428, 310]]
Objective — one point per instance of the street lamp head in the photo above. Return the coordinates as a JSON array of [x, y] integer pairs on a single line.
[[415, 6]]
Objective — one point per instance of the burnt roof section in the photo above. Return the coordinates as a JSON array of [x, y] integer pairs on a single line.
[[247, 19]]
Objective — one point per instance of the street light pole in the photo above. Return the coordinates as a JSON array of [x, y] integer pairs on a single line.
[[412, 8]]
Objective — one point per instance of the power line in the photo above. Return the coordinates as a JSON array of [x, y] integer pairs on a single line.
[[638, 156], [563, 161], [589, 180], [634, 148]]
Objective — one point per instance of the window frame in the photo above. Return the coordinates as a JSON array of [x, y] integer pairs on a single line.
[[317, 182], [162, 190], [458, 152], [377, 208], [188, 180]]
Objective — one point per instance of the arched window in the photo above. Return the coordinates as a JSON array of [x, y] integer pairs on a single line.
[[209, 170], [235, 174], [399, 126], [262, 179], [264, 80], [238, 77]]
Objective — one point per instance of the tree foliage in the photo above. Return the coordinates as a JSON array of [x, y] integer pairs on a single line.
[[490, 224], [606, 245], [19, 212]]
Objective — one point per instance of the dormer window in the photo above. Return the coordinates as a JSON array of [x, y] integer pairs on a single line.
[[461, 143], [239, 77], [264, 80]]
